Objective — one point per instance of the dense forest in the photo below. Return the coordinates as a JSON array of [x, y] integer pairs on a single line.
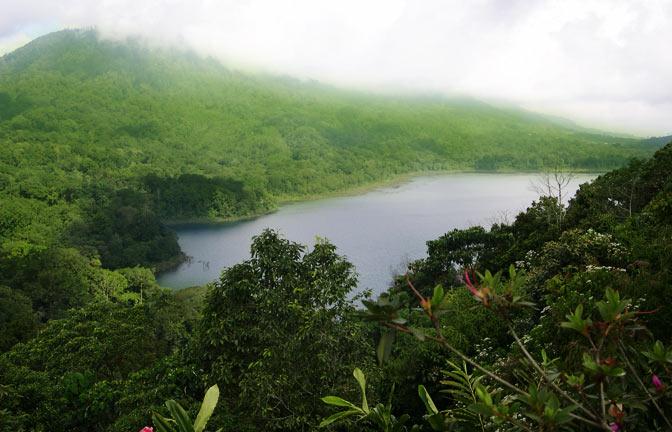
[[102, 137], [572, 335], [555, 321]]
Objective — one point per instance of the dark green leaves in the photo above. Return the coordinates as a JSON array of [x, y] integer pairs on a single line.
[[577, 322], [385, 343], [385, 309], [544, 407], [612, 308], [433, 416], [180, 417], [659, 354], [602, 369]]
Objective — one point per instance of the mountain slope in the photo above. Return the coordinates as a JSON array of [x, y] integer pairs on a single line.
[[83, 119], [129, 110]]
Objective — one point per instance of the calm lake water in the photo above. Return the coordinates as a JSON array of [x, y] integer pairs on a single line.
[[379, 231]]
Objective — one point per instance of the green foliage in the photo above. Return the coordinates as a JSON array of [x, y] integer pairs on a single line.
[[18, 322], [97, 367], [577, 322], [543, 407], [194, 196], [283, 304], [55, 279], [180, 421], [659, 354], [452, 251], [103, 139], [603, 286], [125, 231], [463, 386], [380, 416]]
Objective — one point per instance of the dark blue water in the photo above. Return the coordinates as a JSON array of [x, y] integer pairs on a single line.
[[379, 231]]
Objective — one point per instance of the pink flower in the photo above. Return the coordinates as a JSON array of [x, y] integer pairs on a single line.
[[615, 427], [471, 286], [657, 383], [147, 429], [481, 294]]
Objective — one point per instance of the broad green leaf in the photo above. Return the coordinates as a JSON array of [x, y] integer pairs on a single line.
[[437, 298], [384, 348], [427, 400], [436, 421], [162, 424], [180, 416], [339, 415], [207, 407], [361, 379], [337, 401]]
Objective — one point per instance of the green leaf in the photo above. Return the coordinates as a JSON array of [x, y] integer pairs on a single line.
[[180, 416], [589, 363], [437, 298], [614, 371], [613, 308], [483, 394], [659, 354], [576, 322], [335, 417], [427, 400], [337, 401], [361, 379], [207, 407], [384, 348], [418, 333], [481, 409], [162, 424], [436, 421]]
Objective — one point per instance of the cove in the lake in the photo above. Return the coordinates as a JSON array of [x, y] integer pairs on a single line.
[[379, 231]]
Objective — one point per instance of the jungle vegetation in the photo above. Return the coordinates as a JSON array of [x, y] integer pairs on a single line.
[[104, 142], [100, 137], [281, 332]]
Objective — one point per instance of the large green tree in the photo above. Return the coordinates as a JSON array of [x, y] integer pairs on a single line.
[[276, 328], [18, 321]]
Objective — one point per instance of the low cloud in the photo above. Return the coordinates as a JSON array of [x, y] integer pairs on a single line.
[[606, 63]]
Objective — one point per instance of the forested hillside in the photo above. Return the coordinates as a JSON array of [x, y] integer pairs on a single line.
[[571, 335], [103, 141]]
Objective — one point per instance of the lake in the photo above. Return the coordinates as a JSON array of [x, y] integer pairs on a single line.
[[379, 231]]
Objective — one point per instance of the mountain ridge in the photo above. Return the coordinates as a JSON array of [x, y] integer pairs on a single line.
[[96, 127]]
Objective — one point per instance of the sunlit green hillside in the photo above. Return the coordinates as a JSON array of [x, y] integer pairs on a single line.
[[88, 127], [78, 107]]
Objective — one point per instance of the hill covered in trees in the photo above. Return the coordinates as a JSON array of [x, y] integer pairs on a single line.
[[103, 141], [572, 335]]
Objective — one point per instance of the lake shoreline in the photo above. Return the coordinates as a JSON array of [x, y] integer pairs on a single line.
[[380, 229], [396, 181]]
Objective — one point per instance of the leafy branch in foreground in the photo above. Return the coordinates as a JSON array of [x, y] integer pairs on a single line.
[[380, 415], [605, 393], [180, 421], [464, 386]]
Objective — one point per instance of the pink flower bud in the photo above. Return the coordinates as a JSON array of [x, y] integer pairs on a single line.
[[615, 427], [657, 383], [147, 429]]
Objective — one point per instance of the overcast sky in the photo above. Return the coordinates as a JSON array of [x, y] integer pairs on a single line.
[[606, 64]]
